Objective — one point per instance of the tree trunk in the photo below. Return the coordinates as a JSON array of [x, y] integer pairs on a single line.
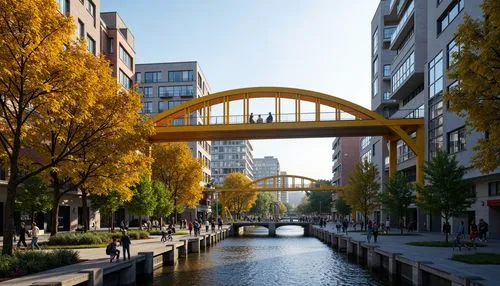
[[55, 203], [112, 217], [140, 222], [85, 211], [10, 205], [446, 231]]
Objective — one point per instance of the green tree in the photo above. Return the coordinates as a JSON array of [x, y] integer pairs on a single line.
[[143, 200], [342, 207], [362, 192], [261, 205], [108, 203], [320, 201], [34, 197], [477, 68], [164, 201], [288, 206], [446, 192], [305, 206], [283, 208], [216, 207], [398, 195]]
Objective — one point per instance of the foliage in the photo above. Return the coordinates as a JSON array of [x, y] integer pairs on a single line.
[[107, 203], [362, 192], [283, 208], [175, 167], [288, 206], [261, 205], [164, 200], [478, 258], [342, 207], [216, 206], [305, 206], [477, 98], [397, 195], [143, 201], [34, 197], [237, 202], [28, 262], [446, 192], [92, 238], [320, 201]]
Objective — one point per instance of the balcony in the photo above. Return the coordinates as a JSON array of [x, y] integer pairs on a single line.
[[387, 100], [404, 26]]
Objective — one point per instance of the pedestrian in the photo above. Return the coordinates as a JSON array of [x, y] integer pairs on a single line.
[[269, 118], [354, 225], [220, 223], [461, 230], [260, 120], [337, 225], [369, 231], [190, 228], [483, 229], [112, 251], [34, 236], [125, 241], [207, 225], [163, 230], [375, 232], [22, 235], [387, 225], [213, 225], [473, 230], [251, 118]]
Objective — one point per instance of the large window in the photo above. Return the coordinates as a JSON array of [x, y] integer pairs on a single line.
[[436, 75], [375, 42], [494, 189], [451, 49], [403, 152], [125, 80], [388, 31], [375, 87], [125, 57], [416, 113], [387, 70], [178, 90], [138, 77], [367, 156], [174, 103], [456, 140], [176, 76], [81, 29], [375, 66], [64, 6], [152, 77], [403, 72], [148, 91], [435, 126], [91, 9], [162, 106], [147, 107], [91, 44], [449, 14], [365, 141]]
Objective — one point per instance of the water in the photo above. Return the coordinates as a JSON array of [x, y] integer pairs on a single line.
[[289, 259]]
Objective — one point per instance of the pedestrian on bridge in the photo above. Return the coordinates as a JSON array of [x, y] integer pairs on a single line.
[[190, 228]]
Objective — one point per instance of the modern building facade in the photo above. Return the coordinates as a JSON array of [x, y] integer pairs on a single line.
[[412, 47], [267, 167], [284, 195], [231, 156], [166, 85]]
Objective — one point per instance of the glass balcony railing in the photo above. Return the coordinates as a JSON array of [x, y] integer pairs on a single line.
[[391, 4], [403, 21], [387, 95]]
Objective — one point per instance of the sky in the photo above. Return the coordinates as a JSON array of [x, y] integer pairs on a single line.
[[320, 45]]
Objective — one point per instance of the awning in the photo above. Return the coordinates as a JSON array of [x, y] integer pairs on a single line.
[[494, 203]]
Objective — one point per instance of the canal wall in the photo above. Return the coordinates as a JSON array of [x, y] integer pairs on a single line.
[[396, 264], [99, 272]]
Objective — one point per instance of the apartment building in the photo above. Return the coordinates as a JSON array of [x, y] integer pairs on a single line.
[[231, 156], [267, 167], [166, 85], [284, 195], [412, 46]]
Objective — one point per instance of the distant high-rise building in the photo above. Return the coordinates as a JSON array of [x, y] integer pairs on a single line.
[[231, 156], [284, 197], [267, 167]]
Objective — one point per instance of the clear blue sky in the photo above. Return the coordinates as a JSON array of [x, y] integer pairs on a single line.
[[321, 45]]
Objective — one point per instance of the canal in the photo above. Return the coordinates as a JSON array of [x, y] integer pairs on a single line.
[[255, 259]]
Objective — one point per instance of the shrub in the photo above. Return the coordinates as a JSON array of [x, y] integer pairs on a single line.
[[91, 238], [28, 262]]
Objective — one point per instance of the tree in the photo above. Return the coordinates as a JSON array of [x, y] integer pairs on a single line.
[[283, 208], [320, 201], [446, 192], [305, 206], [216, 207], [143, 201], [288, 206], [108, 203], [477, 97], [164, 201], [342, 207], [237, 202], [261, 205], [34, 197], [362, 192], [397, 195], [174, 166]]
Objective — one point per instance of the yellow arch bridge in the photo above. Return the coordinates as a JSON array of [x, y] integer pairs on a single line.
[[284, 183], [332, 117]]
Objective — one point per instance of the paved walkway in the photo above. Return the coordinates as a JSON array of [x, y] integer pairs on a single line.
[[440, 256]]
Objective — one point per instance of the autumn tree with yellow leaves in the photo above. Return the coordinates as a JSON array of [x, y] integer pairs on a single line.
[[237, 202], [54, 98], [174, 166]]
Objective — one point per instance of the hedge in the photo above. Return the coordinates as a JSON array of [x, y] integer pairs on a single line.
[[90, 238], [27, 262]]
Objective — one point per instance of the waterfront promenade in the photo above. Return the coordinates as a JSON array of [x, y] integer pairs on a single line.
[[439, 256]]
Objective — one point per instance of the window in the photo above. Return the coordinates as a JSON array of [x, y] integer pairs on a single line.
[[125, 57], [148, 91], [375, 87], [456, 140], [375, 42], [199, 81], [451, 48], [436, 75], [494, 188], [388, 31], [138, 77], [366, 157], [416, 113], [152, 77], [403, 72], [449, 14], [147, 107], [375, 66], [91, 44], [435, 126], [109, 45], [81, 29], [174, 103], [178, 90], [63, 6], [403, 152], [373, 149], [162, 106], [125, 81], [176, 76], [91, 9], [387, 70]]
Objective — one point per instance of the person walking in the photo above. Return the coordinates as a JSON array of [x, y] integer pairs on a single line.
[[125, 241], [387, 225], [375, 232], [461, 230], [163, 230], [220, 223], [483, 229], [213, 225], [190, 228], [35, 231], [369, 231], [22, 235], [269, 118], [207, 226]]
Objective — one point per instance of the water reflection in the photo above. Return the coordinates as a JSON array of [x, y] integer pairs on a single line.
[[288, 259]]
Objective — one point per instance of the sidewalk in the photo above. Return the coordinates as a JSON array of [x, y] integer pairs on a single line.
[[440, 256]]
